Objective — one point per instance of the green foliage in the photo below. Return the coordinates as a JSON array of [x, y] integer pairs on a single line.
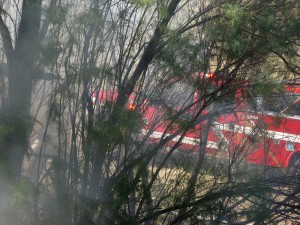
[[264, 88], [229, 30], [123, 188], [89, 18], [143, 3], [186, 124], [182, 55], [162, 9], [266, 21], [233, 15], [57, 14], [49, 52], [111, 133], [22, 193], [21, 202], [278, 28], [5, 129], [242, 28], [10, 127]]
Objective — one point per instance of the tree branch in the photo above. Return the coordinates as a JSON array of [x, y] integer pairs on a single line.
[[6, 38], [292, 67], [149, 53]]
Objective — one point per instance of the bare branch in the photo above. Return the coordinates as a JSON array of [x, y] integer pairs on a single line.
[[6, 37]]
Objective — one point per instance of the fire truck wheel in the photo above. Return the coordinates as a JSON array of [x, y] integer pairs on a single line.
[[295, 168]]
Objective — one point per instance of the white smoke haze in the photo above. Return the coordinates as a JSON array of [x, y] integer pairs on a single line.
[[4, 202], [79, 166]]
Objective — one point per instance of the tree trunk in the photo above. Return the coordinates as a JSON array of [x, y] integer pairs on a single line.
[[21, 62]]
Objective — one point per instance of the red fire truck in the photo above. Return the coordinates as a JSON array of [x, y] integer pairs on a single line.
[[262, 130]]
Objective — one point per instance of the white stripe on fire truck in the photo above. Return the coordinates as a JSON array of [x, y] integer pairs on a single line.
[[237, 129], [267, 133], [185, 140]]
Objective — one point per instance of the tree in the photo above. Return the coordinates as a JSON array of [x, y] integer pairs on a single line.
[[103, 172], [21, 53]]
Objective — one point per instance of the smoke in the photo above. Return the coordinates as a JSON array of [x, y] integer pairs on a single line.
[[4, 202]]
